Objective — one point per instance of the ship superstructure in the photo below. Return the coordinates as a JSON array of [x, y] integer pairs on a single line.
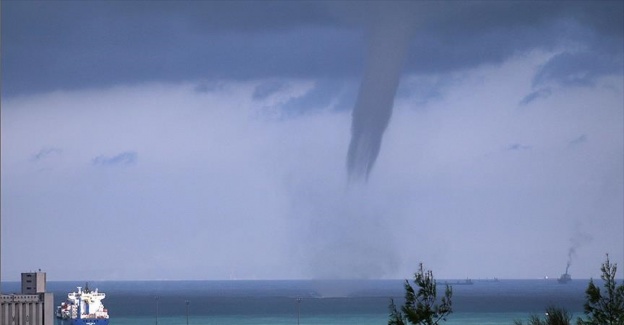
[[84, 307]]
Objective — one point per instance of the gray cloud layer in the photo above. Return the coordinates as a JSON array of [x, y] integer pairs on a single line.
[[52, 45]]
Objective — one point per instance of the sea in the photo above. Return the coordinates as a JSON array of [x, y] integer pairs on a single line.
[[316, 302]]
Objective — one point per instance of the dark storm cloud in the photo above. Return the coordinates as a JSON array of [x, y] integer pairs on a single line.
[[124, 158], [466, 34], [577, 69], [53, 45]]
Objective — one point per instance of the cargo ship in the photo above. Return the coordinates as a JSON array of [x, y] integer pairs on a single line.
[[83, 307]]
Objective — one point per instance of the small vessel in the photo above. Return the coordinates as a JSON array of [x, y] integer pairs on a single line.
[[83, 307], [565, 278], [459, 283]]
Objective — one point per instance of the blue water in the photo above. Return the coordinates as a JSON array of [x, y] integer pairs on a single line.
[[322, 302]]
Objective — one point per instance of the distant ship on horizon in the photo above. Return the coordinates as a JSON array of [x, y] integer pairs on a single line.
[[464, 282], [565, 278]]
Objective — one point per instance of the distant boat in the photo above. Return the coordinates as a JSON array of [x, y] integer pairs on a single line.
[[565, 278], [459, 283]]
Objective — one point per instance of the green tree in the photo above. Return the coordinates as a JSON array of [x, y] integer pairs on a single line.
[[422, 307], [604, 308], [554, 316]]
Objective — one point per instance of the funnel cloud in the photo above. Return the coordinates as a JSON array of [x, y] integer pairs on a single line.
[[387, 50]]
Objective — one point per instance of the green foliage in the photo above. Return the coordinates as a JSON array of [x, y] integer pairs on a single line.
[[421, 307], [604, 308], [554, 316]]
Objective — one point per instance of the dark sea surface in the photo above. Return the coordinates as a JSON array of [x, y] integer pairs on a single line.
[[322, 301]]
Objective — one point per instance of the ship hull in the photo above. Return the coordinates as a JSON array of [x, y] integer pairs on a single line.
[[84, 321]]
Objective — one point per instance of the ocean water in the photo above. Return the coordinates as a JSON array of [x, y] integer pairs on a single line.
[[314, 302]]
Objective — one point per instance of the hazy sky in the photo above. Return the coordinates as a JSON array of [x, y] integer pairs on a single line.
[[209, 139]]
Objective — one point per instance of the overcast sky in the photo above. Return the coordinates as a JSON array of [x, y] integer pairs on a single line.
[[209, 139]]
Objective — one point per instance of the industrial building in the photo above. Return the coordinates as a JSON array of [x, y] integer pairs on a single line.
[[33, 306]]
